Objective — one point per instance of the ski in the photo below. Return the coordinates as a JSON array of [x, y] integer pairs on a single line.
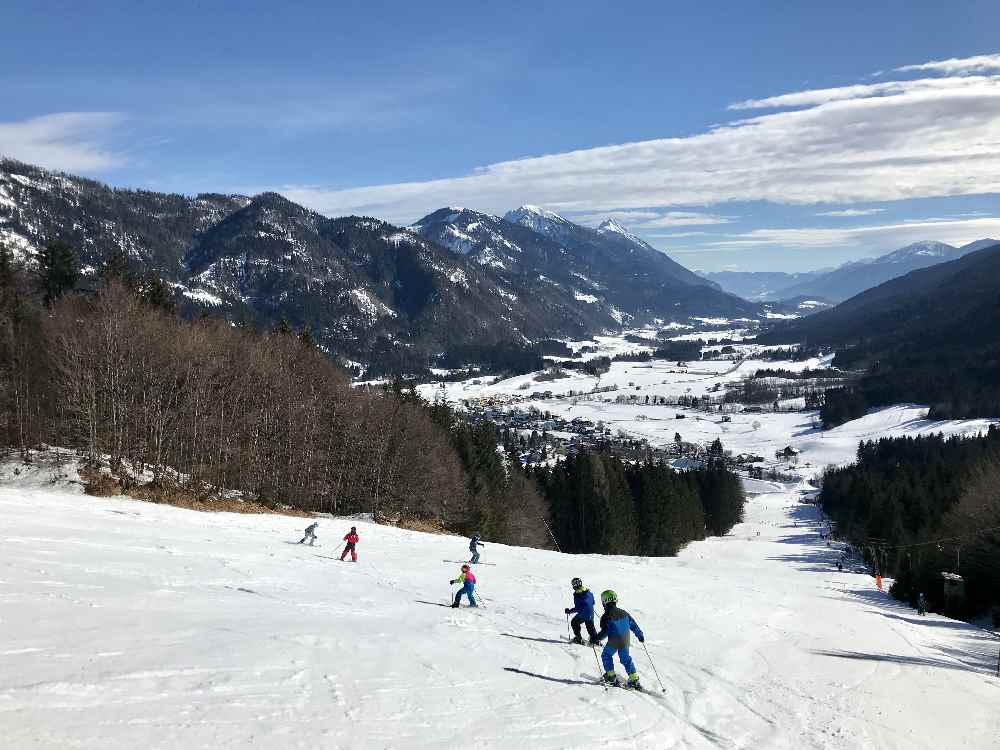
[[466, 562], [620, 684]]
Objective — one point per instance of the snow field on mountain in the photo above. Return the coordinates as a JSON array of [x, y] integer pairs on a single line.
[[129, 624]]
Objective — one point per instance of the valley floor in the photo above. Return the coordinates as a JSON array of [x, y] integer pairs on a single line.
[[128, 624]]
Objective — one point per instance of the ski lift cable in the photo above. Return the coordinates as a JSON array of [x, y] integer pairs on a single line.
[[876, 542]]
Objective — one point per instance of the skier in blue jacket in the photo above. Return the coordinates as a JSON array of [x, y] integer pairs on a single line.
[[615, 626], [583, 608], [473, 544]]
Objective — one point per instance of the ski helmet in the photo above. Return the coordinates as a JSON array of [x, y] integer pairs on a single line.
[[609, 597], [465, 567], [576, 583]]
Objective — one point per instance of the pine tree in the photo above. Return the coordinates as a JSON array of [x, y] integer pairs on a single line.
[[306, 337], [58, 270], [156, 293], [6, 268], [117, 266]]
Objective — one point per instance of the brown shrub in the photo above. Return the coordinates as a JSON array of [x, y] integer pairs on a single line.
[[98, 484]]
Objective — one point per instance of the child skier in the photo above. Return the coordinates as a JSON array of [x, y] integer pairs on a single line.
[[921, 604], [468, 580], [615, 626], [583, 607], [310, 534], [351, 538], [473, 543]]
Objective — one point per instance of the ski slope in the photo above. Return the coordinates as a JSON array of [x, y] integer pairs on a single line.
[[133, 625]]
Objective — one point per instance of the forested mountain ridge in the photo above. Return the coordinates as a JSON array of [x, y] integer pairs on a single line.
[[370, 292], [842, 282], [607, 272], [853, 278], [931, 336]]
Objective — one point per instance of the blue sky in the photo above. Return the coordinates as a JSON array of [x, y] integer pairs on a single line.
[[660, 114]]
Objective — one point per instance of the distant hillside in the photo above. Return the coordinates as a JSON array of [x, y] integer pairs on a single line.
[[371, 292], [853, 278], [842, 282], [607, 275], [760, 286], [390, 298], [931, 336]]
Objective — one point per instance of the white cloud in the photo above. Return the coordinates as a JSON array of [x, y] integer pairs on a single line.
[[685, 219], [69, 141], [858, 91], [675, 235], [643, 220], [860, 145], [629, 217], [850, 212], [976, 64], [882, 236]]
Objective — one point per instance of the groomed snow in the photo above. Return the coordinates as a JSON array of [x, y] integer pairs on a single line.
[[134, 625]]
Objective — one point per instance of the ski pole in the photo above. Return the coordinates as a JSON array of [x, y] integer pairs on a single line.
[[662, 689], [480, 600], [568, 631], [600, 669]]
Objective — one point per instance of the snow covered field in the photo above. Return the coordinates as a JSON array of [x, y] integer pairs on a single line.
[[660, 378], [746, 432], [763, 434], [129, 624]]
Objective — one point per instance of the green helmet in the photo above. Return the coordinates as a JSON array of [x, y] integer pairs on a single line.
[[609, 597]]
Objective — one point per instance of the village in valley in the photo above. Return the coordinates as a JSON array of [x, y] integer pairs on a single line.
[[741, 400]]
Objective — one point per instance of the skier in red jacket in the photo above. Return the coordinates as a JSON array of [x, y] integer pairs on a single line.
[[351, 538]]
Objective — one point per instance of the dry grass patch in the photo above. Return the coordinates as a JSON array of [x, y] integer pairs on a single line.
[[417, 524], [100, 484]]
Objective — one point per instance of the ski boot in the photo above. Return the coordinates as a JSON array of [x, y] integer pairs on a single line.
[[454, 605], [610, 678], [577, 640], [633, 682]]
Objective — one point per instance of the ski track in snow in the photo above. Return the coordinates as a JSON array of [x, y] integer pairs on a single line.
[[129, 624]]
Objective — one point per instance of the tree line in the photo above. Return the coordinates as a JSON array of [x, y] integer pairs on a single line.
[[922, 506], [201, 406], [601, 504], [204, 407]]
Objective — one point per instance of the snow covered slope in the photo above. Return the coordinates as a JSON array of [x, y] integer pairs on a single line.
[[134, 625]]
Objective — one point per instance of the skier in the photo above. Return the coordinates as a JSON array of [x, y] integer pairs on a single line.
[[473, 543], [468, 580], [310, 534], [583, 607], [921, 604], [615, 626], [351, 538], [840, 566]]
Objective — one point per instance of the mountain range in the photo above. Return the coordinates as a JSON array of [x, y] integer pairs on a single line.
[[387, 297], [931, 336], [845, 281]]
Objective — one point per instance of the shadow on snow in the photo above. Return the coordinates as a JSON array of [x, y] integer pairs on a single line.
[[560, 680], [537, 640]]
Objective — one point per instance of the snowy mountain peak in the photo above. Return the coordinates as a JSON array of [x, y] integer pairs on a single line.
[[610, 225], [927, 248], [539, 220], [527, 210]]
